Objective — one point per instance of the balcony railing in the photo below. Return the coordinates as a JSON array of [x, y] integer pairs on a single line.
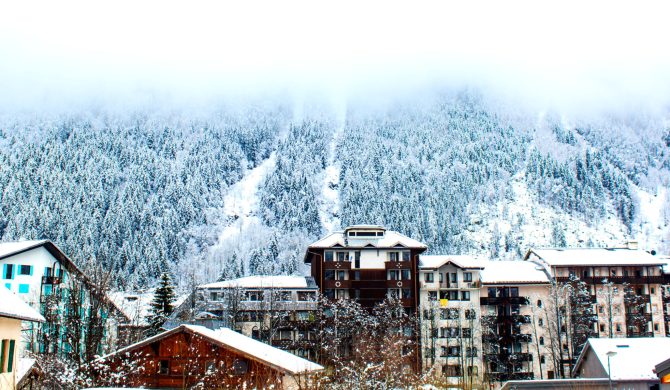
[[503, 300], [341, 265], [508, 318], [337, 284], [651, 279], [399, 283], [397, 265], [51, 280]]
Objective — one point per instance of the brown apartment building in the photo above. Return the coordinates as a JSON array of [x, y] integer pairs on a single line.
[[367, 263]]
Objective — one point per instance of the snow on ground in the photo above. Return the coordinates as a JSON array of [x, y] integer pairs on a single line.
[[330, 204], [241, 201], [652, 230], [535, 229]]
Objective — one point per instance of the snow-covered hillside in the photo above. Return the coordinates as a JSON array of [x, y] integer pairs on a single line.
[[245, 190]]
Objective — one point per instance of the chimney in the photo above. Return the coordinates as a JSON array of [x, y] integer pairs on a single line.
[[632, 245]]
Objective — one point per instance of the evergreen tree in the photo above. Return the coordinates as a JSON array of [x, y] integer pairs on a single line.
[[161, 306]]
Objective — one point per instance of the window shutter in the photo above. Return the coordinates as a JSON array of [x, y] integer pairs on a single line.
[[30, 268], [3, 356], [10, 358]]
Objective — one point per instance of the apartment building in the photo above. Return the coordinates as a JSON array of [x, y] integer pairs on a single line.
[[514, 332], [625, 284], [451, 335], [367, 263], [279, 310], [50, 282]]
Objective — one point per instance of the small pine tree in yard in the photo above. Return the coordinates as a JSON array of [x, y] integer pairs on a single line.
[[161, 306]]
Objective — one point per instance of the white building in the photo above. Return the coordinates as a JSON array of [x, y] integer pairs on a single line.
[[450, 317], [42, 275]]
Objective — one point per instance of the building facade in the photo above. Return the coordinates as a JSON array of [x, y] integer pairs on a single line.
[[279, 310], [367, 263], [50, 282], [451, 334]]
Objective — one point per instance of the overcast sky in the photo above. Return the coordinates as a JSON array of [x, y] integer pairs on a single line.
[[563, 53]]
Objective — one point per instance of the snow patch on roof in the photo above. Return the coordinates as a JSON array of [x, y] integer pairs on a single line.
[[8, 248], [389, 240], [511, 271], [262, 281], [635, 358], [462, 261], [596, 256], [14, 307]]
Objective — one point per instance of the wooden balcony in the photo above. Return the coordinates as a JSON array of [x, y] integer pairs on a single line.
[[399, 284], [337, 284], [503, 300], [397, 265], [337, 265]]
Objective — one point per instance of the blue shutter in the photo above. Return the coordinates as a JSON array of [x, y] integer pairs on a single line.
[[4, 271], [30, 268], [8, 285]]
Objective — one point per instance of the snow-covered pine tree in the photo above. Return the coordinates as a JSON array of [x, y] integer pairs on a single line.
[[161, 306]]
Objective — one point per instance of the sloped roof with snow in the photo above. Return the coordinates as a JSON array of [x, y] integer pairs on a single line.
[[635, 358], [10, 248], [12, 306], [136, 306], [390, 239], [227, 338], [594, 256], [513, 272], [264, 281], [461, 261]]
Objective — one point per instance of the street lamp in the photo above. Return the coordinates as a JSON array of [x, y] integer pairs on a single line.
[[609, 372]]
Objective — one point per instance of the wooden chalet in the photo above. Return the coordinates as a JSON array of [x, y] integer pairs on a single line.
[[189, 354]]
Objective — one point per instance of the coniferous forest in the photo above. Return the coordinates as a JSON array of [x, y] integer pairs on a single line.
[[144, 192]]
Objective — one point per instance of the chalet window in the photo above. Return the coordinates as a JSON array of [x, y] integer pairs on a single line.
[[406, 275], [452, 314], [406, 293], [357, 275], [429, 352], [394, 274], [213, 296], [9, 271], [240, 367], [394, 293], [655, 327], [492, 292], [302, 315], [329, 274], [539, 303], [164, 367], [465, 295], [428, 277], [441, 277], [453, 295], [329, 293], [540, 322], [454, 351], [357, 294], [341, 275], [25, 270], [466, 332], [342, 256], [432, 295], [252, 296], [357, 259], [405, 256], [341, 293], [454, 277], [471, 352], [602, 327], [210, 366], [306, 296], [541, 340], [542, 359], [467, 276], [329, 256], [653, 290], [452, 370], [514, 291], [613, 272], [618, 327], [393, 256], [284, 296], [470, 314]]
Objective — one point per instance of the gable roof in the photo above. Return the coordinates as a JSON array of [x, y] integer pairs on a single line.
[[635, 359], [593, 256], [513, 272], [389, 240], [263, 281], [11, 306], [460, 261], [253, 349]]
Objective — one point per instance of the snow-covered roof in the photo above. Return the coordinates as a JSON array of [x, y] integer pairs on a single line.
[[511, 271], [390, 239], [227, 338], [594, 256], [12, 306], [264, 281], [461, 261], [10, 248], [635, 358], [23, 368], [137, 305]]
